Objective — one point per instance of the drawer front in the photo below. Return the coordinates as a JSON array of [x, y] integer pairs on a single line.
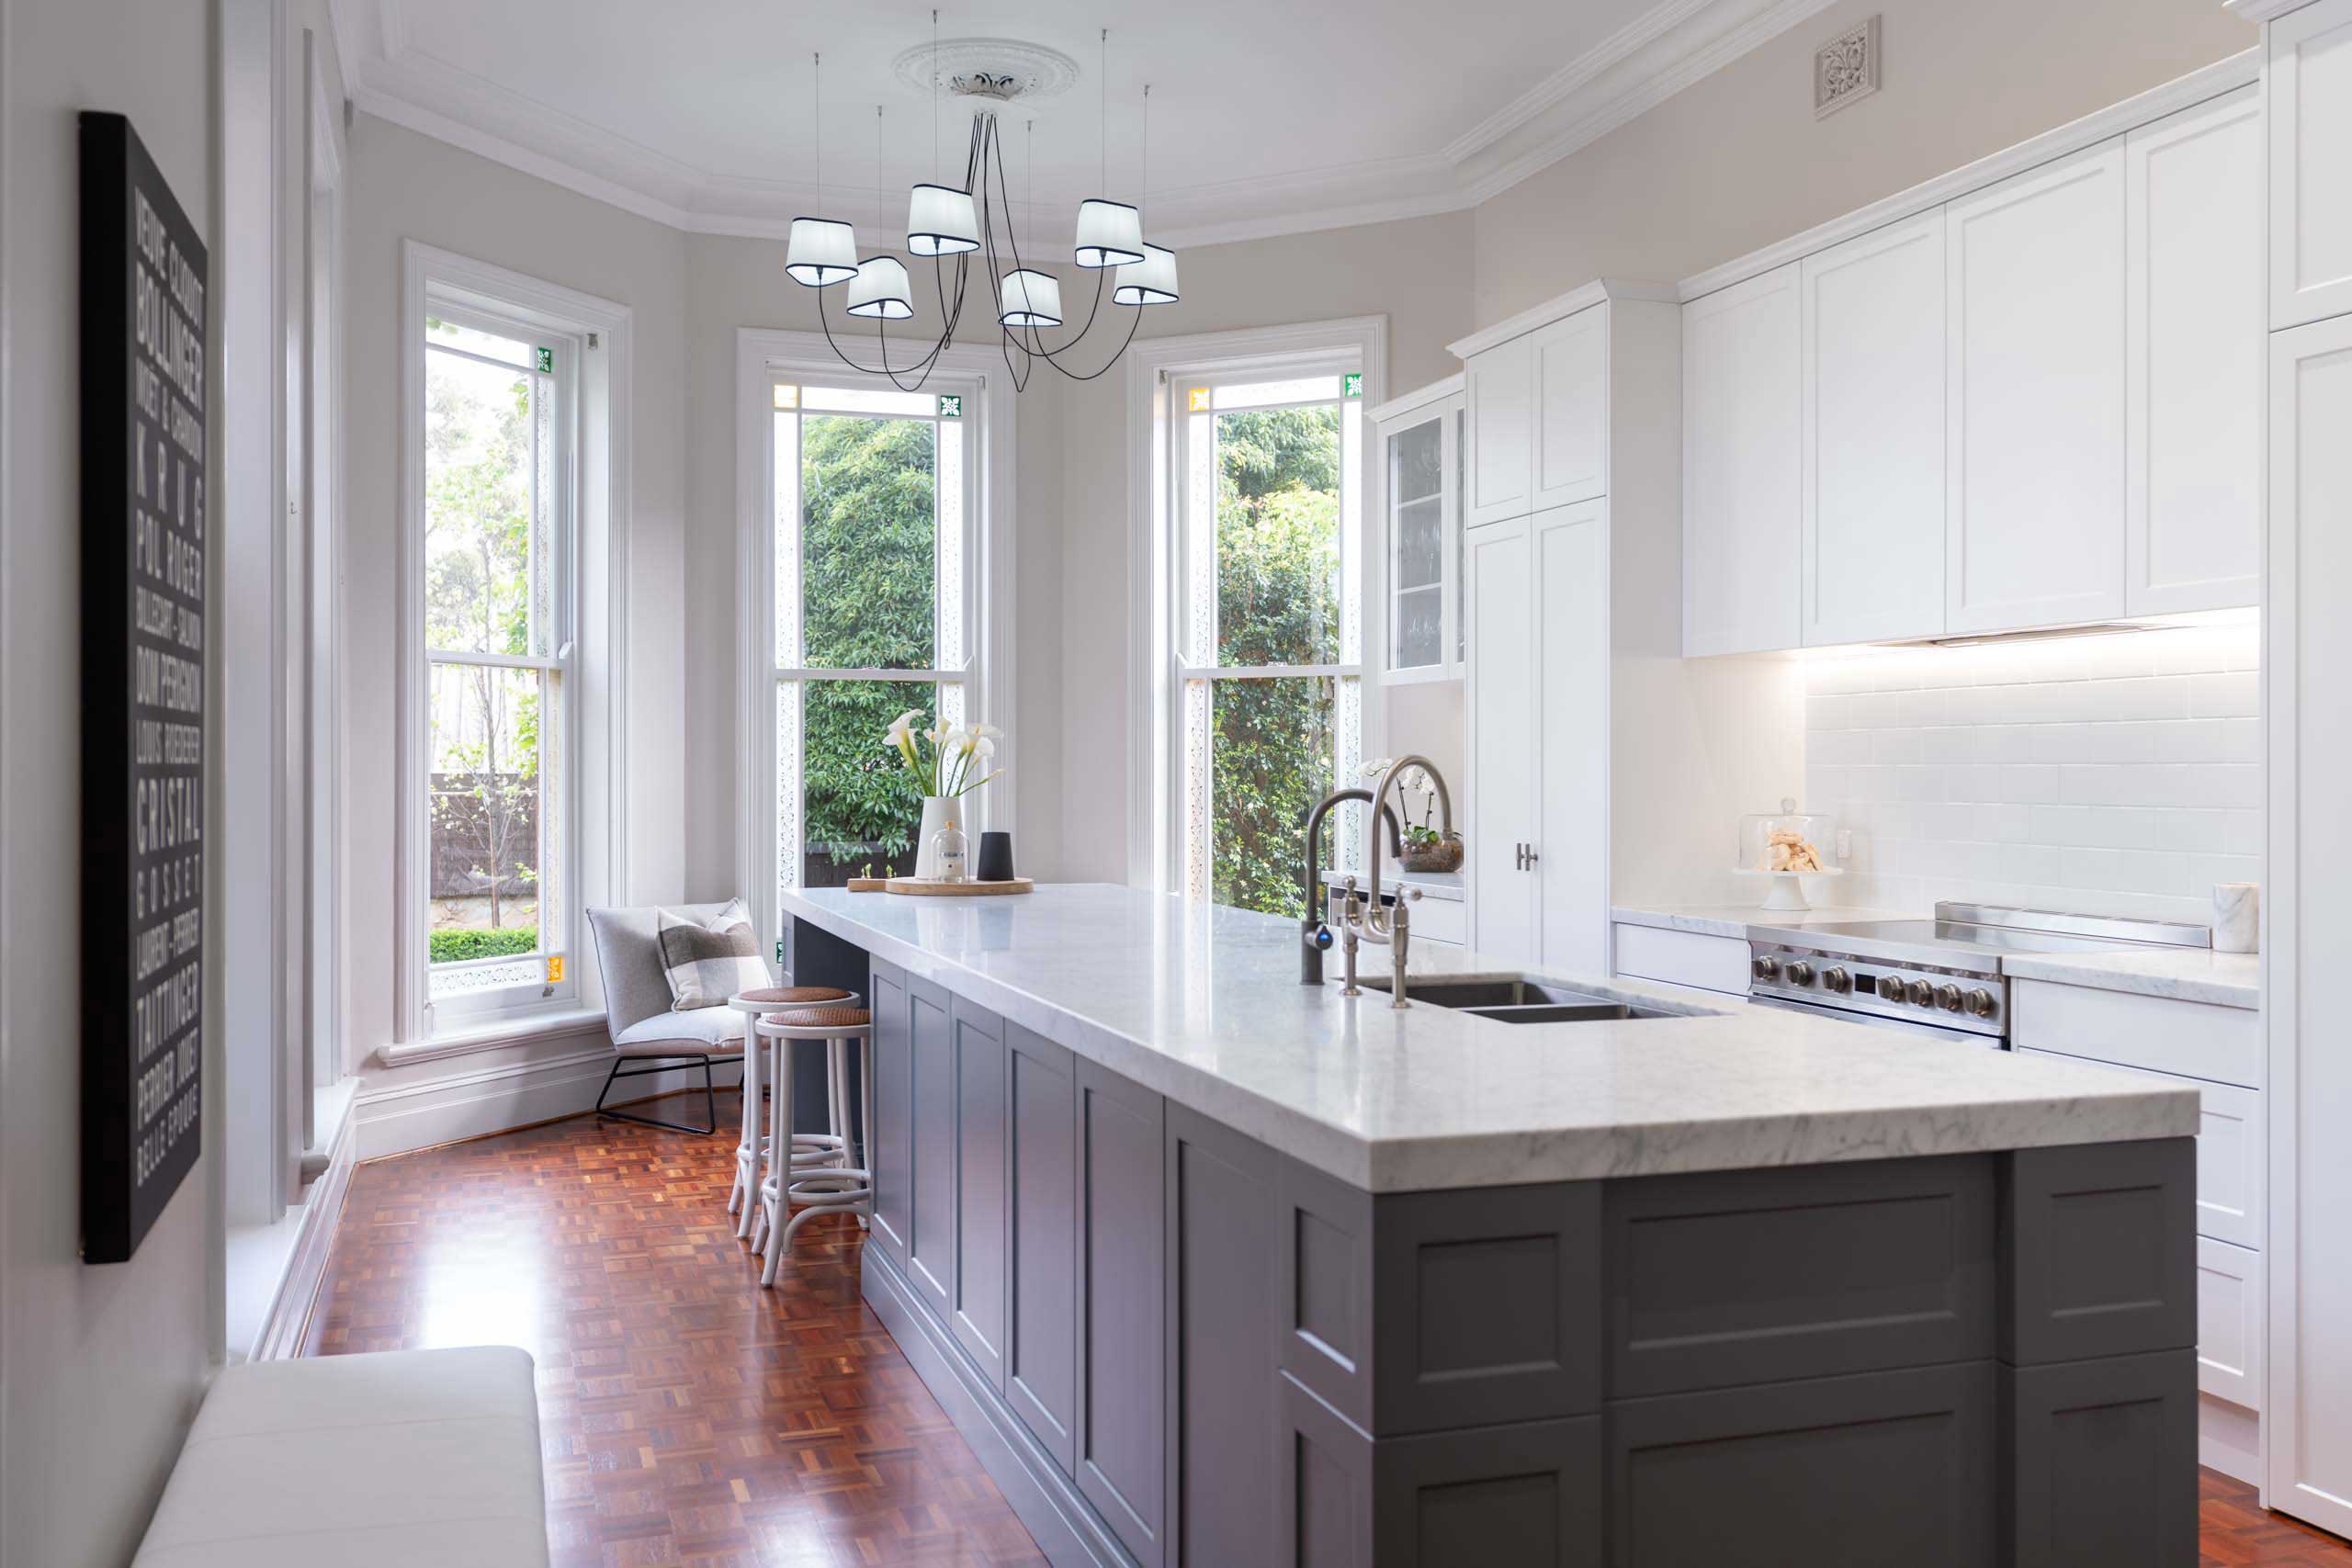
[[1440, 919], [2228, 1323], [1683, 958], [2229, 1156], [2195, 1040]]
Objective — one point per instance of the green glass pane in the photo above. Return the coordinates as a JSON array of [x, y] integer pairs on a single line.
[[1278, 536]]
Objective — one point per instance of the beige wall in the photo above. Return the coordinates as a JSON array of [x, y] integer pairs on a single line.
[[100, 1367], [403, 186], [1737, 161]]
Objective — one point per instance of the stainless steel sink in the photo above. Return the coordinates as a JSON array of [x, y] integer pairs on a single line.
[[1524, 1000]]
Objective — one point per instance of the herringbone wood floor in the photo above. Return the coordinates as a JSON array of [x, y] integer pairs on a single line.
[[690, 1417]]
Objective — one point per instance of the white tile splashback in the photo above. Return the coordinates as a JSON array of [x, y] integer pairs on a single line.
[[2113, 774]]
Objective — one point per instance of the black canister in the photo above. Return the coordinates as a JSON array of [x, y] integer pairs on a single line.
[[996, 858]]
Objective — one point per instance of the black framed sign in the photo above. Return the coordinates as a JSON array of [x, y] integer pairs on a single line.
[[143, 555]]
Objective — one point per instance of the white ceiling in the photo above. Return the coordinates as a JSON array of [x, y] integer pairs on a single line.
[[1267, 115]]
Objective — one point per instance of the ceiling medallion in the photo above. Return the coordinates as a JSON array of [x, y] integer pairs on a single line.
[[1001, 69]]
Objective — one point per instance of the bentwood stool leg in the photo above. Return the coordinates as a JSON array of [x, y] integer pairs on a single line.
[[744, 1200], [776, 1189]]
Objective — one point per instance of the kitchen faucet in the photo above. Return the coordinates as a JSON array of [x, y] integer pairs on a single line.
[[1316, 934], [1363, 920]]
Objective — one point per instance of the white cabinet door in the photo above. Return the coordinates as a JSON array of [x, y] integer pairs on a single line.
[[2194, 342], [2311, 164], [2308, 649], [1500, 387], [1501, 714], [1571, 837], [2228, 1323], [1571, 369], [1873, 451], [1741, 486], [2229, 1163], [2034, 365]]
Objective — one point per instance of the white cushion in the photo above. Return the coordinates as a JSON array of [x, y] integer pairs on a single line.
[[378, 1460], [707, 962], [708, 1027]]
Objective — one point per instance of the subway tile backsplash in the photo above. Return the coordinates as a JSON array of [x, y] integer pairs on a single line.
[[2111, 775]]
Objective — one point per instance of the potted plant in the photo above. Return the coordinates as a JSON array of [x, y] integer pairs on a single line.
[[1426, 848], [945, 762]]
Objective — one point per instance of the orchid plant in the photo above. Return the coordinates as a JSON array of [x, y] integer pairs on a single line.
[[946, 760], [1414, 782]]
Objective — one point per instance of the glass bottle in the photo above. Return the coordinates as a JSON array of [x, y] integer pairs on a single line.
[[947, 849]]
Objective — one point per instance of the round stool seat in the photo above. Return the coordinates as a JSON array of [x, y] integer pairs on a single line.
[[816, 1017], [795, 996]]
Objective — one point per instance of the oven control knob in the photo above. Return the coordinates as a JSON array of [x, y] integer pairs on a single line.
[[1890, 987], [1980, 1002], [1949, 998], [1767, 967], [1922, 995], [1800, 973], [1836, 980]]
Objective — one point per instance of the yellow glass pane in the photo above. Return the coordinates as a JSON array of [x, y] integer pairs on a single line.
[[787, 396], [1200, 400]]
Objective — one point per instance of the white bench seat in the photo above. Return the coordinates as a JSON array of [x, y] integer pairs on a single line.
[[381, 1460]]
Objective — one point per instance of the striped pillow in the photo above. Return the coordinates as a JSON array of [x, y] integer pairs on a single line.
[[708, 961]]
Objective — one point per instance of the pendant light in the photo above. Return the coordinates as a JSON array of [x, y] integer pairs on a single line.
[[941, 219], [1151, 281], [881, 290], [823, 250], [1031, 299], [1110, 234]]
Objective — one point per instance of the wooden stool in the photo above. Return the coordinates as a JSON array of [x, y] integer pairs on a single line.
[[749, 1146], [815, 1187]]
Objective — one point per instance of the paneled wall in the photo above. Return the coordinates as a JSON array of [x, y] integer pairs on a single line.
[[2117, 774]]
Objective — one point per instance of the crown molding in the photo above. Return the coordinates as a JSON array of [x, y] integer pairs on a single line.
[[2262, 10], [1645, 62]]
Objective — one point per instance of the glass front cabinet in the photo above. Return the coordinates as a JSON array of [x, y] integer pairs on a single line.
[[1421, 450]]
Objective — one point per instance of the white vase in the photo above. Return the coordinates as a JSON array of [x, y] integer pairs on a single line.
[[935, 809]]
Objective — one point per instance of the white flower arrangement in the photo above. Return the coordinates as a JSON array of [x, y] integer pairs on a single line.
[[946, 760]]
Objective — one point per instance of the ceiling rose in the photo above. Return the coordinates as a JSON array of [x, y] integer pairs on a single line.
[[1002, 69]]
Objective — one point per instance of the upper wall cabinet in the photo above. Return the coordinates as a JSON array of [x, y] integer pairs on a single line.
[[2194, 338], [2309, 66], [1500, 387], [2034, 369], [1571, 367], [1873, 444], [1741, 483], [1421, 437]]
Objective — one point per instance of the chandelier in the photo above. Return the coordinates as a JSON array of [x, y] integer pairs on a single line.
[[953, 227]]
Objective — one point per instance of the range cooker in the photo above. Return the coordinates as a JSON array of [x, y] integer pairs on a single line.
[[1940, 977]]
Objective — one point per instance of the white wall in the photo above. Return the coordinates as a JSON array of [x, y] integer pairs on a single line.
[[1737, 161], [402, 186], [101, 1366], [2117, 774]]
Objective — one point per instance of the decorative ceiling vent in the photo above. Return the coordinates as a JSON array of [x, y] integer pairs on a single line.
[[1844, 70]]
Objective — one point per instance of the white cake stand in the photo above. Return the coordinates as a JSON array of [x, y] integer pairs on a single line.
[[1787, 889]]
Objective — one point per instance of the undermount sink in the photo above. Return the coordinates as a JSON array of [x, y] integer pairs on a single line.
[[1524, 1001]]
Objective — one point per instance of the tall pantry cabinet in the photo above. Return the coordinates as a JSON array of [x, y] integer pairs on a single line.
[[2307, 81]]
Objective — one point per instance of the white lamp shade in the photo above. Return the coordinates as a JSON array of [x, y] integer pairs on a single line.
[[1031, 300], [1110, 234], [940, 221], [1151, 281], [823, 250], [880, 290]]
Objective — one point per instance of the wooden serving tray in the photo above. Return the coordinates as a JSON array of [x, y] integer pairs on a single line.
[[925, 888]]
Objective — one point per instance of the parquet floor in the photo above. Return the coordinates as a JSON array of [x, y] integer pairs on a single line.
[[690, 1419], [687, 1417]]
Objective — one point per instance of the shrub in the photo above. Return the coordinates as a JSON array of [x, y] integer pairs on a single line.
[[465, 943]]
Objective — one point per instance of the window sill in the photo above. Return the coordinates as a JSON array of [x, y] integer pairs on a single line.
[[496, 1035]]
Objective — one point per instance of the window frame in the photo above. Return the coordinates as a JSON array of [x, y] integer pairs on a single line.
[[1158, 370], [765, 357], [590, 596]]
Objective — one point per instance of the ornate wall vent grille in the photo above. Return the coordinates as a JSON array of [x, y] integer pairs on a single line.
[[1844, 70]]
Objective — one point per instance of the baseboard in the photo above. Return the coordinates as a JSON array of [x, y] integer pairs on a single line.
[[284, 1326], [2229, 1438], [1045, 1501], [418, 1114]]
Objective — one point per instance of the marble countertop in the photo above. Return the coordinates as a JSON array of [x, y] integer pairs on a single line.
[[2183, 973], [1202, 1003], [1733, 920]]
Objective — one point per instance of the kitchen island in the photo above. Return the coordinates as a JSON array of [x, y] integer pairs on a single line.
[[1211, 1267]]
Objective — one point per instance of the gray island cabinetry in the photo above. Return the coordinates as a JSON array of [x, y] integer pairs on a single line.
[[1214, 1268]]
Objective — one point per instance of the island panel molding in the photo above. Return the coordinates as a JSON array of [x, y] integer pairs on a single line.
[[144, 564]]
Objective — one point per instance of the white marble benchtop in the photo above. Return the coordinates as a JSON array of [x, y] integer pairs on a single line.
[[1202, 1004], [2182, 974], [1733, 920]]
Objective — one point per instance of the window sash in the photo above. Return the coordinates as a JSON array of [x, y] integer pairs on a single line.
[[551, 614]]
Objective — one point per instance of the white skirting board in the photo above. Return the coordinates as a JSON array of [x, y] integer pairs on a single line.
[[288, 1260], [2229, 1438], [471, 1102]]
